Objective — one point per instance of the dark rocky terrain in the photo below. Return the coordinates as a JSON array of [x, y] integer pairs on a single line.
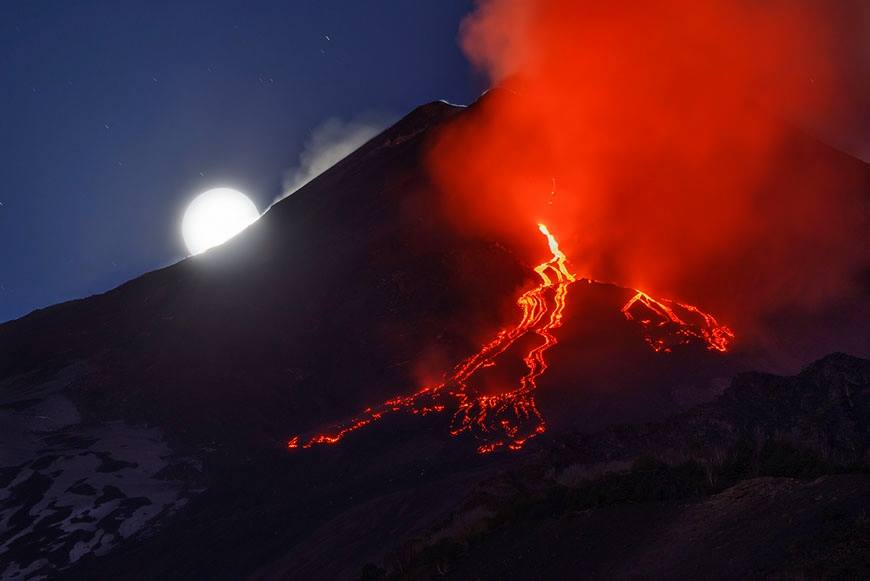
[[144, 430], [769, 480]]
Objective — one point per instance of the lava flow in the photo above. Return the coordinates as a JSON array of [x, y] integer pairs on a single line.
[[510, 418], [670, 329]]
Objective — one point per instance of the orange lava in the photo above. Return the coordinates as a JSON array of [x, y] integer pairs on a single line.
[[666, 328], [511, 418]]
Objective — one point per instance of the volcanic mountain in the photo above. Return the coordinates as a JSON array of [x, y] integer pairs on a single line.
[[311, 399]]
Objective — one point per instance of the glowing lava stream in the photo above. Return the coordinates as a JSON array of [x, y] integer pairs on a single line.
[[511, 418], [672, 330]]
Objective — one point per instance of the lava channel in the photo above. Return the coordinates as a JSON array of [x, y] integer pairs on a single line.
[[510, 418]]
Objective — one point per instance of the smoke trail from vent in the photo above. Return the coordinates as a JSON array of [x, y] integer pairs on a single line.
[[328, 144]]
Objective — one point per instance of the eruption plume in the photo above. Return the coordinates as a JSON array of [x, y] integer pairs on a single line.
[[666, 125]]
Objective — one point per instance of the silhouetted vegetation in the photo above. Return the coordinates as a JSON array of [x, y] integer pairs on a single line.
[[648, 480]]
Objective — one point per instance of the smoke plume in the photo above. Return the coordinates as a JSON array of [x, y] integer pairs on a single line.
[[654, 138], [328, 144]]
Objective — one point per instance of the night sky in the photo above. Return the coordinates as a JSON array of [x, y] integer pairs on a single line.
[[115, 114]]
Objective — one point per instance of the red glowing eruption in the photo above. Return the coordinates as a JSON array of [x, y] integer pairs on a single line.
[[670, 329], [510, 418]]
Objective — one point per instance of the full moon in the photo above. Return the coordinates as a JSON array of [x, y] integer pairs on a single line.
[[214, 217]]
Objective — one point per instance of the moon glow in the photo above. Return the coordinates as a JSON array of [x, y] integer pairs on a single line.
[[214, 217]]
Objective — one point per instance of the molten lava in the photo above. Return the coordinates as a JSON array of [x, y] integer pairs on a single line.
[[511, 417], [670, 329]]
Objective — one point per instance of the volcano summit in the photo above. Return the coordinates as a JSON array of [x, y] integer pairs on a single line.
[[170, 427]]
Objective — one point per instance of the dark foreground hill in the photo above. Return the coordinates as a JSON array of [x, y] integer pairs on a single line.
[[769, 480], [143, 431]]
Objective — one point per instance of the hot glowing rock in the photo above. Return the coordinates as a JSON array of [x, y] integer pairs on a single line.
[[509, 418], [666, 328]]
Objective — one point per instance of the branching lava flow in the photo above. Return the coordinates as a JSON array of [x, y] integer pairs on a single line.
[[511, 417]]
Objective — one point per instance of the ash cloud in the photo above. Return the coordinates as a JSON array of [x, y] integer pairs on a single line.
[[667, 129]]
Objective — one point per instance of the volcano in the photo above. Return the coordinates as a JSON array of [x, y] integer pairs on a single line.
[[332, 392]]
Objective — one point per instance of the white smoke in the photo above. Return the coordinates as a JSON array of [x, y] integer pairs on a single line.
[[329, 143]]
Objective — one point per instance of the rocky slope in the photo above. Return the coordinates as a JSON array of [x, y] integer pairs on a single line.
[[769, 480], [144, 430]]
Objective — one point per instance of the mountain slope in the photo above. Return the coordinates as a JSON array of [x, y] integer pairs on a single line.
[[770, 479], [155, 416]]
